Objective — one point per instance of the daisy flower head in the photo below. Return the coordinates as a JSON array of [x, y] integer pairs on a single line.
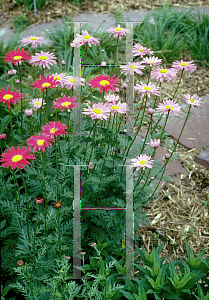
[[57, 205], [16, 158], [45, 83], [152, 61], [118, 31], [141, 51], [7, 96], [34, 40], [104, 83], [16, 56], [160, 73], [60, 77], [193, 101], [117, 107], [154, 143], [77, 41], [40, 142], [130, 68], [169, 105], [54, 128], [80, 40], [111, 97], [20, 263], [184, 65], [142, 161], [39, 200], [38, 102], [43, 59], [99, 111], [73, 81], [67, 102], [150, 88]]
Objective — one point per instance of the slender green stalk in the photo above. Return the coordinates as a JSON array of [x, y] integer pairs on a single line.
[[44, 181], [34, 240], [85, 278], [115, 137], [4, 176], [18, 193], [86, 52], [20, 78], [105, 136], [94, 131], [116, 52], [57, 169], [91, 96], [27, 203], [29, 283], [46, 104], [149, 75], [10, 115], [68, 137], [59, 241], [178, 84], [98, 252]]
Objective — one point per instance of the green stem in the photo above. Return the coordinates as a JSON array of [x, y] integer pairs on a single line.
[[115, 138], [149, 75], [4, 177], [44, 181], [10, 115], [85, 279], [57, 169], [34, 240], [86, 51], [27, 203], [104, 270], [116, 52], [18, 192], [68, 137], [178, 83], [46, 104], [105, 136], [20, 78], [94, 131], [29, 283], [59, 233]]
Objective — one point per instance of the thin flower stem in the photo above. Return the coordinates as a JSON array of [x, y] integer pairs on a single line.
[[149, 74], [94, 131], [34, 240], [116, 52], [105, 136], [59, 241], [104, 270], [29, 283], [91, 96], [86, 52], [27, 203], [68, 136], [178, 84], [150, 122], [115, 138], [19, 70], [10, 115], [4, 177], [87, 143], [44, 181], [85, 279], [18, 193], [57, 169], [46, 104]]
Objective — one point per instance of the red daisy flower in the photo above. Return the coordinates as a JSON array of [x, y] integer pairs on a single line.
[[54, 128], [67, 102], [39, 200], [16, 56], [46, 82], [40, 142], [57, 204], [16, 158], [7, 96], [104, 83]]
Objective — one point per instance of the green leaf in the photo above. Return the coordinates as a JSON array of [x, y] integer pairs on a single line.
[[4, 123], [128, 295], [4, 84]]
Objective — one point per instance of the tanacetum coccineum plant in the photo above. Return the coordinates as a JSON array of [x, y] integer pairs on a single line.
[[38, 200]]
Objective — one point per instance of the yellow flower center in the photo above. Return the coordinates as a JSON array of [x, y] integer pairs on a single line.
[[115, 107], [142, 162], [57, 77], [17, 158], [7, 97], [163, 71], [37, 103], [141, 49], [149, 61], [17, 57], [42, 57], [147, 88], [53, 130], [104, 82], [183, 64], [46, 84], [132, 67], [40, 142], [191, 100], [118, 29], [33, 38], [97, 110], [72, 80], [86, 37], [66, 104], [169, 107]]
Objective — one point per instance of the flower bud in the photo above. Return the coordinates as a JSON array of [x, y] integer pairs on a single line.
[[117, 89], [63, 62], [57, 204], [68, 257], [151, 110], [124, 85], [103, 63], [20, 263], [83, 253], [28, 112], [91, 165], [17, 80], [3, 136], [39, 200], [93, 244], [10, 72], [167, 155], [102, 50]]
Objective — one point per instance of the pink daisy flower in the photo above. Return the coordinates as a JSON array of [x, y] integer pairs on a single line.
[[154, 143], [118, 31], [117, 107], [130, 68], [37, 103], [40, 142], [43, 59], [67, 102], [152, 61], [169, 105], [160, 73], [193, 101], [17, 56], [45, 83], [184, 65], [99, 111], [141, 51], [104, 82], [7, 96], [111, 98], [60, 77], [80, 40], [54, 128], [73, 81], [34, 40], [16, 158], [150, 88], [142, 161]]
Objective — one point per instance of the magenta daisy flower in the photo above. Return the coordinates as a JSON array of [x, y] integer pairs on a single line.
[[142, 161], [160, 73], [16, 158], [141, 51], [117, 107], [17, 56], [111, 97], [54, 128], [118, 31], [193, 101], [45, 83], [152, 61], [37, 103], [34, 40], [184, 65], [40, 142], [67, 102], [154, 143], [169, 105], [43, 59], [73, 81], [80, 40], [130, 68], [150, 88], [99, 111], [60, 77], [7, 96], [104, 83]]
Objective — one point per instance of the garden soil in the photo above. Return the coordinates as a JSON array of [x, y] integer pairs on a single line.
[[178, 214]]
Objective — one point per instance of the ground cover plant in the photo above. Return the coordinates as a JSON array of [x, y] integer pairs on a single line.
[[37, 189]]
